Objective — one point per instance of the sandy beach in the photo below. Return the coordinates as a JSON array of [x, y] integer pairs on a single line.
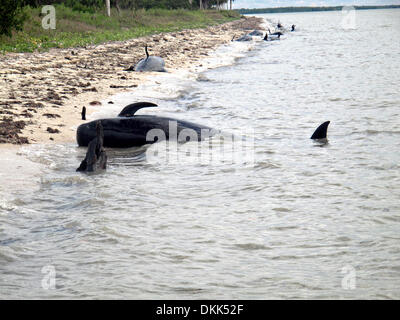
[[42, 94]]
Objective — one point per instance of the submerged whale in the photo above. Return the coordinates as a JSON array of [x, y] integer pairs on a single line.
[[130, 130], [269, 36], [272, 37]]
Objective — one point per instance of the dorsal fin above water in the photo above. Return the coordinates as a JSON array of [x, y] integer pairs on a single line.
[[131, 109], [321, 131]]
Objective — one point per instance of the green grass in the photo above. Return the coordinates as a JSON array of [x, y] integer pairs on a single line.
[[74, 29]]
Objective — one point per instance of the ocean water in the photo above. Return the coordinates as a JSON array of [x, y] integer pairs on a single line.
[[268, 214]]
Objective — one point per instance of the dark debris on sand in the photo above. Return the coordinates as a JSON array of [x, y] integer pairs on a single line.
[[51, 130], [10, 130]]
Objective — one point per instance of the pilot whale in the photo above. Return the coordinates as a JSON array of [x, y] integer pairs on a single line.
[[256, 33], [130, 130], [246, 37], [96, 157], [272, 36], [150, 63], [320, 134]]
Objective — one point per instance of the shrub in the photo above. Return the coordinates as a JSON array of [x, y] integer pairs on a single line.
[[12, 16]]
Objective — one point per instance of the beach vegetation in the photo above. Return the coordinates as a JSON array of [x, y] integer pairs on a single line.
[[82, 27], [12, 16]]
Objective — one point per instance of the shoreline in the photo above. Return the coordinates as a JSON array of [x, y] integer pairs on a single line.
[[45, 92]]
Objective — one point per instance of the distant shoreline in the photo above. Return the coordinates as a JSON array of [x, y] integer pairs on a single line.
[[310, 9]]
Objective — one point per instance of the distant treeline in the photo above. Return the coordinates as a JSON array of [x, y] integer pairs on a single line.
[[89, 5], [13, 13], [309, 9]]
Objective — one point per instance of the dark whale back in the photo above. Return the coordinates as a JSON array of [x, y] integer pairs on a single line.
[[132, 131]]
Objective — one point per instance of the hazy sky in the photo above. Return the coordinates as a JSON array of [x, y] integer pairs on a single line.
[[285, 3]]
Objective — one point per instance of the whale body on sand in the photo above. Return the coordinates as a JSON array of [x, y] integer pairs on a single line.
[[150, 63], [246, 37], [256, 33]]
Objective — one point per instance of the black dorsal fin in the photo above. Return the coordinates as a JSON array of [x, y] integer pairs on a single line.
[[321, 131], [83, 113], [130, 110]]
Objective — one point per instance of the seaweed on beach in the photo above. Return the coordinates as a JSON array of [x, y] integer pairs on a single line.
[[10, 130]]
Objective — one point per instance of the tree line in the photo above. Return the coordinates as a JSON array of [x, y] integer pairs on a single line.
[[12, 15], [132, 4]]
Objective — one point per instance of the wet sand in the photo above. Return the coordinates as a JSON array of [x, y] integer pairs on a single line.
[[42, 94]]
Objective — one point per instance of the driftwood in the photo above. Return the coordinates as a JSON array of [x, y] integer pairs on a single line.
[[96, 157]]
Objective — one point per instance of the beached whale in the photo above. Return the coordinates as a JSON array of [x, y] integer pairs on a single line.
[[130, 130], [246, 37], [150, 63], [256, 33]]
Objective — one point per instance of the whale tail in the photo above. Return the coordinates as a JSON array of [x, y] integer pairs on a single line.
[[96, 157], [131, 109], [321, 131]]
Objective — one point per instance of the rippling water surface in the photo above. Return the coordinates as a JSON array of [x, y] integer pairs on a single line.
[[296, 220]]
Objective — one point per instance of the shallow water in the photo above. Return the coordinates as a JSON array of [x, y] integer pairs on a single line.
[[282, 217]]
